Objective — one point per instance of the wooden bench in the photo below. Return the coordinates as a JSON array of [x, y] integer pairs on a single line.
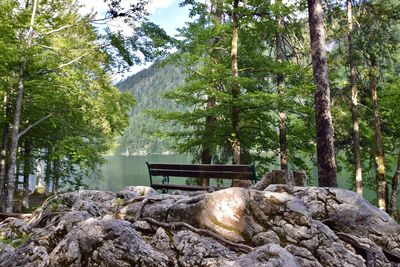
[[199, 171]]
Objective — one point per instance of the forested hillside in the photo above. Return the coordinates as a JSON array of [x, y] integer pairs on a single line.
[[144, 134]]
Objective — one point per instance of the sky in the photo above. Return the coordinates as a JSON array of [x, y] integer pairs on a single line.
[[165, 13]]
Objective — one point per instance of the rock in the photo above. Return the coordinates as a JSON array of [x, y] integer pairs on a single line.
[[140, 190], [142, 226], [13, 228], [162, 242], [96, 242], [284, 225], [90, 206], [297, 178], [345, 211], [270, 255], [263, 238], [194, 250]]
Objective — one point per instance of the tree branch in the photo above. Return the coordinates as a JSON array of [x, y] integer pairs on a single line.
[[66, 64], [174, 225], [59, 29], [33, 125]]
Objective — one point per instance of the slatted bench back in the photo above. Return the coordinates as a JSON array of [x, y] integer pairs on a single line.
[[199, 171]]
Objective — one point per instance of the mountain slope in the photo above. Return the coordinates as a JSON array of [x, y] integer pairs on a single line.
[[148, 86]]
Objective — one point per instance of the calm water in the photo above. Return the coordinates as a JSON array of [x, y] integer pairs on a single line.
[[121, 171]]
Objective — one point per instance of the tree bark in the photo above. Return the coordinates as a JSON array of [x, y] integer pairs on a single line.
[[3, 151], [379, 155], [17, 115], [47, 176], [280, 56], [206, 154], [235, 142], [395, 190], [235, 91], [27, 171], [56, 175], [39, 173], [324, 127], [17, 172], [354, 102]]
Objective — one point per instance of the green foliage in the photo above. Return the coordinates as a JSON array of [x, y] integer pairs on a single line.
[[67, 81], [204, 57]]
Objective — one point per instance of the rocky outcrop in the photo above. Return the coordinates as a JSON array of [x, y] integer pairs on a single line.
[[283, 225]]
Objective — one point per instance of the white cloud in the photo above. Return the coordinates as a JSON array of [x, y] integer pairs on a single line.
[[89, 6], [155, 5], [100, 7]]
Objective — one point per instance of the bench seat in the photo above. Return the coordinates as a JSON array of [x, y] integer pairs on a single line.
[[186, 187]]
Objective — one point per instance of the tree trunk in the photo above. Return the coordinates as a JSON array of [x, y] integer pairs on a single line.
[[17, 173], [280, 56], [395, 190], [27, 171], [235, 138], [206, 154], [47, 176], [17, 115], [235, 86], [325, 147], [56, 175], [39, 173], [3, 151], [379, 155], [354, 102]]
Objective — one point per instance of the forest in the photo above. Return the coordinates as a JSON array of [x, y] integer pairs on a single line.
[[307, 83], [260, 93], [145, 134]]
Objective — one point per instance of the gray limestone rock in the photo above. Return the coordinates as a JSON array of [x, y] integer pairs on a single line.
[[283, 225], [194, 250], [270, 255], [96, 242]]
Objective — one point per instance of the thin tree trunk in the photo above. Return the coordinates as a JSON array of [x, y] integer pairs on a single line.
[[235, 86], [3, 151], [206, 154], [47, 176], [17, 115], [39, 173], [56, 175], [235, 91], [17, 173], [3, 155], [27, 171], [395, 190], [354, 102], [235, 138], [325, 147], [283, 154], [379, 155]]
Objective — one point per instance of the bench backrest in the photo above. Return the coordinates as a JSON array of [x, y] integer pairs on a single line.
[[242, 172]]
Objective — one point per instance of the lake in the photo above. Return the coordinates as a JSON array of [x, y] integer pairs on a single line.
[[121, 171]]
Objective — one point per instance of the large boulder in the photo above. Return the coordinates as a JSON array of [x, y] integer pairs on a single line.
[[283, 225]]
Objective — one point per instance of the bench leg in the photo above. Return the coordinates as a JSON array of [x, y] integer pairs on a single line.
[[165, 180]]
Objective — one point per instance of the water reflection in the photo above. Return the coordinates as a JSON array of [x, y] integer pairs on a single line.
[[121, 171]]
